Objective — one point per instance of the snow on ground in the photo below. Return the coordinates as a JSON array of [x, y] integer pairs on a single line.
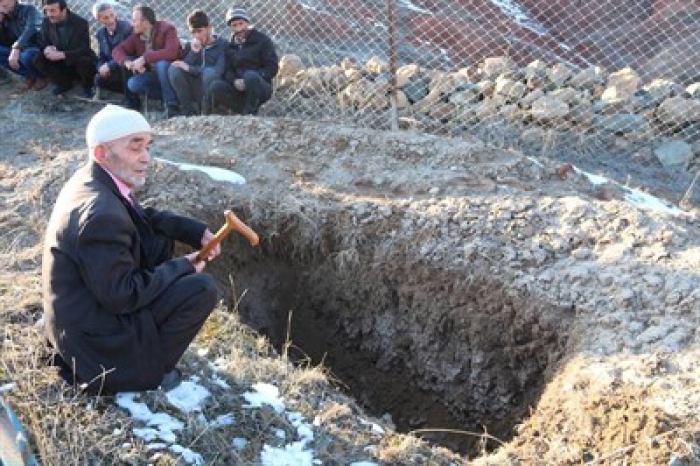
[[7, 387], [215, 173], [188, 396], [636, 197], [410, 6], [520, 15], [264, 394], [161, 429]]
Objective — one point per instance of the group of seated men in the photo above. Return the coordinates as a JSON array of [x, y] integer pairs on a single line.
[[141, 58]]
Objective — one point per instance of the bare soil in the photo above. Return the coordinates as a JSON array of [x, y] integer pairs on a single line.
[[445, 283]]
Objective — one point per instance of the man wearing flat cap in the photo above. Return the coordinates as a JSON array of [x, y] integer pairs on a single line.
[[251, 64], [118, 309]]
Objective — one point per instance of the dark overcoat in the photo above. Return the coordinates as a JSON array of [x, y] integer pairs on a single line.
[[99, 278]]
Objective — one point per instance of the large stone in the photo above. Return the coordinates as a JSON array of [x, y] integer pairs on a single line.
[[494, 66], [621, 123], [660, 89], [416, 89], [471, 94], [510, 89], [693, 90], [674, 154], [588, 78], [289, 66], [526, 102], [621, 85], [406, 74], [678, 111], [376, 65], [568, 94], [559, 74], [535, 68], [349, 63], [548, 108]]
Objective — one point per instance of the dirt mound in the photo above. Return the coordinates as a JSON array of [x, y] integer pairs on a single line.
[[447, 284]]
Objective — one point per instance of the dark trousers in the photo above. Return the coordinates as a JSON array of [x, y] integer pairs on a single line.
[[64, 75], [222, 95], [116, 82], [190, 89], [180, 312], [182, 309]]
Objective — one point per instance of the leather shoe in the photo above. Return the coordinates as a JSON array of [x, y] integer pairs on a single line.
[[171, 380], [27, 84], [40, 83]]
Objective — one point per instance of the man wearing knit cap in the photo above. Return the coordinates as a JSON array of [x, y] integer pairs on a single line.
[[118, 309], [251, 64]]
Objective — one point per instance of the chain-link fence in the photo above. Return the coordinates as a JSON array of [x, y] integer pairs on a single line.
[[516, 71]]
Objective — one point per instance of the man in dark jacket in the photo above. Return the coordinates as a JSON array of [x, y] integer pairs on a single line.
[[65, 45], [118, 309], [19, 42], [251, 63], [203, 63], [110, 75], [148, 53]]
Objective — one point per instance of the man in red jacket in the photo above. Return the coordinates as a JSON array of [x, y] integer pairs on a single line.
[[148, 53]]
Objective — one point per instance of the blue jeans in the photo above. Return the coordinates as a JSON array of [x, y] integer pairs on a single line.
[[154, 84], [26, 62]]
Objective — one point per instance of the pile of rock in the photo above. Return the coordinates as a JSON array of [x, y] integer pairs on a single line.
[[535, 96]]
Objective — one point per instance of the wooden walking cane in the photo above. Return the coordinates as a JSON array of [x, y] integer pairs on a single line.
[[233, 223]]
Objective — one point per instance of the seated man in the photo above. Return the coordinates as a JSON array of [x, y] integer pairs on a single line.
[[118, 309], [110, 75], [19, 42], [203, 63], [251, 63], [148, 53], [66, 55]]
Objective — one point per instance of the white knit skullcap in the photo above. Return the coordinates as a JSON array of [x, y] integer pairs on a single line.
[[114, 122]]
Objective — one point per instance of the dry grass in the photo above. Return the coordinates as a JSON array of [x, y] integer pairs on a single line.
[[68, 427]]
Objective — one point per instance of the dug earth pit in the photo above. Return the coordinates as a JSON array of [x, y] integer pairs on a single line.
[[453, 286]]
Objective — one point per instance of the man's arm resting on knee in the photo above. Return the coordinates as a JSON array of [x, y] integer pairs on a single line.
[[109, 269]]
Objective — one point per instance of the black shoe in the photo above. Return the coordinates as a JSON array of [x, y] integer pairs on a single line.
[[171, 111], [87, 92], [57, 89], [171, 380], [132, 102]]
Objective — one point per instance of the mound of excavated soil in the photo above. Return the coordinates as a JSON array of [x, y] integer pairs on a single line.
[[443, 282]]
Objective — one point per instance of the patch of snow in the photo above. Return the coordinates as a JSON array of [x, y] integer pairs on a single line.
[[376, 428], [264, 394], [520, 15], [215, 173], [304, 430], [188, 455], [162, 425], [7, 387], [156, 446], [223, 420], [410, 6], [188, 396], [290, 455], [239, 443], [636, 197], [648, 202], [364, 463], [220, 382], [535, 161]]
